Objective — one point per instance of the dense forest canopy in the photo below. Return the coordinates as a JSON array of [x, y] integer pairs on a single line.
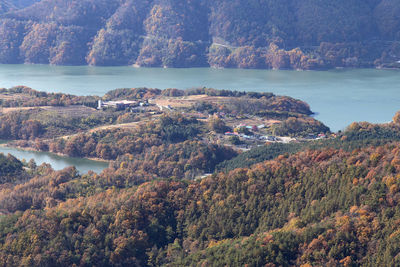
[[324, 207], [304, 34]]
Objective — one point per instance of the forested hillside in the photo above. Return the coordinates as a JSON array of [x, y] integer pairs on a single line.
[[304, 34], [324, 207]]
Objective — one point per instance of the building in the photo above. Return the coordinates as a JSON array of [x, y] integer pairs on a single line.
[[163, 108], [119, 105]]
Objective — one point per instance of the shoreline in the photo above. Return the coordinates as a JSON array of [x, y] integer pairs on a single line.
[[30, 149], [136, 66]]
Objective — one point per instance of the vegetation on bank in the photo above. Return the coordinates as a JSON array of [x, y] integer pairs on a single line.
[[10, 167], [22, 96]]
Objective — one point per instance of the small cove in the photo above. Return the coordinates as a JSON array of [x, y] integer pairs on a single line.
[[57, 162]]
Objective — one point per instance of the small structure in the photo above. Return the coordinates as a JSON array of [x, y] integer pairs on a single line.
[[262, 126], [162, 108], [311, 136], [119, 105]]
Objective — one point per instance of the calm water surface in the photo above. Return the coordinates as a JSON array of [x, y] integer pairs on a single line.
[[339, 97], [57, 162]]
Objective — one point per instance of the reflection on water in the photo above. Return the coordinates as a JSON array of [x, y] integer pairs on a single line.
[[57, 162]]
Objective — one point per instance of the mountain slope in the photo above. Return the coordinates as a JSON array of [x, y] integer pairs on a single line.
[[304, 34]]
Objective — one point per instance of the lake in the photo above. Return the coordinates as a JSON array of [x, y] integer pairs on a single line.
[[339, 97], [57, 162]]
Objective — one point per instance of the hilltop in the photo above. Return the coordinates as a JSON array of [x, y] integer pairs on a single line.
[[284, 34], [64, 123]]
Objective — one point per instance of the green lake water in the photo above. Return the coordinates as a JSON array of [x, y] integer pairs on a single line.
[[57, 162]]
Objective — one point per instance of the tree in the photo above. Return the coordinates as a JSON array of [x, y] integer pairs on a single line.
[[396, 118], [218, 125]]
